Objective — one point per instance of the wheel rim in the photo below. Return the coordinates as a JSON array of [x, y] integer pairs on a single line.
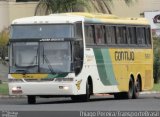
[[137, 89], [88, 91]]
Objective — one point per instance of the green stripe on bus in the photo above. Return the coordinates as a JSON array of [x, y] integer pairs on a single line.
[[57, 75], [104, 66], [109, 66]]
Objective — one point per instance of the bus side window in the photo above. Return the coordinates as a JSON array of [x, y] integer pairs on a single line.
[[141, 36], [121, 35], [89, 34], [99, 34], [78, 56], [110, 35], [79, 30], [148, 36], [131, 33]]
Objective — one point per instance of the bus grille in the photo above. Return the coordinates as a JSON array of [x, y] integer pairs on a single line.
[[39, 80]]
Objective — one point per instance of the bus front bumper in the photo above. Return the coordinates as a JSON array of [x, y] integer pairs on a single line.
[[43, 88]]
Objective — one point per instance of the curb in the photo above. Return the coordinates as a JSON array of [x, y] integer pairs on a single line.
[[8, 96], [142, 93], [150, 92]]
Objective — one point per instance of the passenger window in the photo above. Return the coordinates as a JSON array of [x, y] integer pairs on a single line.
[[110, 35], [79, 30], [148, 36], [141, 36], [121, 35], [131, 33], [99, 34], [89, 34]]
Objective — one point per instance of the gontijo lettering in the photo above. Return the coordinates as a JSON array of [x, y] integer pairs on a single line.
[[124, 56]]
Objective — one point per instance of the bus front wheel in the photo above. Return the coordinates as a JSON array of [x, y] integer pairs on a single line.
[[85, 97], [31, 99]]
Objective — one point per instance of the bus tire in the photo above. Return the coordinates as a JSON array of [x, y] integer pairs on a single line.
[[129, 94], [31, 99], [85, 97], [137, 88]]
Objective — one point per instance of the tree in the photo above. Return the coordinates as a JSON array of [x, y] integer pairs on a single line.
[[4, 37], [57, 6], [156, 66], [104, 6]]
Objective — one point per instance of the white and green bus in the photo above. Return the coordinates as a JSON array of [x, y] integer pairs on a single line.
[[80, 54]]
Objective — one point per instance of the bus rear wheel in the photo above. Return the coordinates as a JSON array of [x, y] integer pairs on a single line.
[[137, 88], [31, 99], [129, 94]]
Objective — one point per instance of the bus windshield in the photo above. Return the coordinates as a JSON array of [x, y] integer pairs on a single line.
[[40, 57], [41, 31]]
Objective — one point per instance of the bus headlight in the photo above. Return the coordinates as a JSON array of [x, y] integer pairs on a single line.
[[64, 87], [16, 90]]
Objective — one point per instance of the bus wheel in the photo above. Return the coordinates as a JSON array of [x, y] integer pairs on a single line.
[[129, 94], [31, 99], [85, 97], [137, 88]]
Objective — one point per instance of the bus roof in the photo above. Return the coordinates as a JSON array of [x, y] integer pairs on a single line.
[[80, 16], [111, 19]]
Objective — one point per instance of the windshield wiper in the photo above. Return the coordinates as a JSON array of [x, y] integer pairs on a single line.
[[49, 65]]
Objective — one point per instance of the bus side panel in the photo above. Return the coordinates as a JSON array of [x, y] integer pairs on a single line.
[[127, 62], [98, 66]]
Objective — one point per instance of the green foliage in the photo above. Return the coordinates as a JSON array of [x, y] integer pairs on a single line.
[[4, 37], [156, 87], [156, 66], [4, 90], [58, 6], [104, 6], [130, 2]]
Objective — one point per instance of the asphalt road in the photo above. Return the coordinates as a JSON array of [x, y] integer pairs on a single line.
[[146, 102]]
